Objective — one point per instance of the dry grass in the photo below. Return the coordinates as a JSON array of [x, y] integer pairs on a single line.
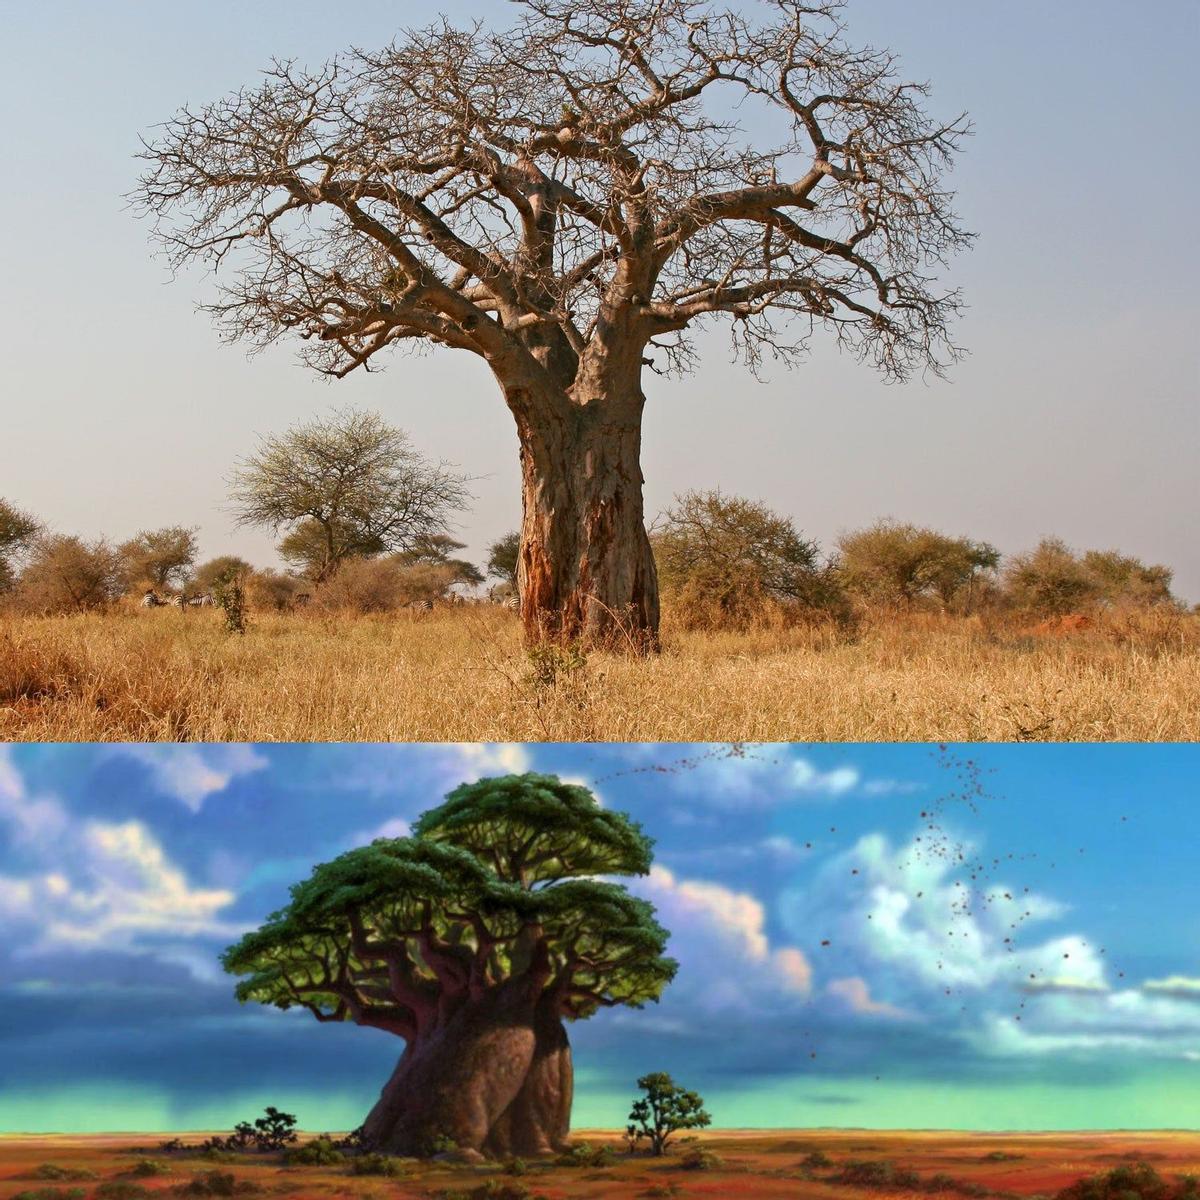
[[760, 1164], [461, 675]]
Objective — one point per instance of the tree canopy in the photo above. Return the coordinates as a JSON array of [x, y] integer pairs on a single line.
[[159, 557], [347, 485], [18, 532], [496, 885], [570, 199]]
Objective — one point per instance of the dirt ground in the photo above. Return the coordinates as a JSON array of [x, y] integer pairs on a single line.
[[752, 1163]]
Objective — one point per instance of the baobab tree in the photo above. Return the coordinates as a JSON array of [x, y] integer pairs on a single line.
[[571, 199], [474, 940]]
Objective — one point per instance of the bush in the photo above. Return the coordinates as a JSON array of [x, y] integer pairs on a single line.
[[1132, 1181], [894, 563], [321, 1152], [273, 591], [727, 562], [1050, 580], [18, 533], [816, 1160], [584, 1155], [51, 1194], [144, 1168], [1125, 580], [120, 1189], [876, 1174], [216, 1183], [226, 566], [697, 1158], [377, 1164], [67, 574], [54, 1171], [514, 1166], [158, 558], [380, 585]]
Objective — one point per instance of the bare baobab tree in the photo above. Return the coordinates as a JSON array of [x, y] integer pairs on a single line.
[[571, 199]]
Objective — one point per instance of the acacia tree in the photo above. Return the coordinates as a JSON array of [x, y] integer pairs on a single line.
[[570, 199], [159, 557], [473, 940], [347, 485], [18, 533]]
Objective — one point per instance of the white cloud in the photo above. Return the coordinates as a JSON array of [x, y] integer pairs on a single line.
[[719, 936], [1181, 987], [397, 827], [493, 758], [190, 774], [901, 923], [95, 883]]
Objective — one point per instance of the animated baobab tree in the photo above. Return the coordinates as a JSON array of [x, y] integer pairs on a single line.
[[571, 199], [474, 940]]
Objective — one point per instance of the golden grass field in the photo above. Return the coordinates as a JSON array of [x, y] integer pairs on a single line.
[[462, 675], [758, 1164]]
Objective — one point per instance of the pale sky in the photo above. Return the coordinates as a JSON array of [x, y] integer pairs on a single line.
[[1075, 414]]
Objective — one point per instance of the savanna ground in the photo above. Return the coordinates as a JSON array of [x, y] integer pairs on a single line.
[[819, 1164], [461, 674]]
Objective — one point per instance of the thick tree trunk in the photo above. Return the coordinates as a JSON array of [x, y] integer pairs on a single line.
[[586, 571], [495, 1078]]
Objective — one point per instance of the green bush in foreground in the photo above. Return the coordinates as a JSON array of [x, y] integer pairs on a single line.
[[321, 1152], [54, 1171], [377, 1164]]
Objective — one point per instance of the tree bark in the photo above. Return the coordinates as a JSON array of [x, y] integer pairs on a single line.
[[495, 1078], [586, 571]]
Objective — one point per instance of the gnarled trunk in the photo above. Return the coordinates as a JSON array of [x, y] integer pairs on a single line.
[[495, 1078], [586, 571]]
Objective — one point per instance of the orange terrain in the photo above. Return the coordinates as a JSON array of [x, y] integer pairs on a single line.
[[821, 1164]]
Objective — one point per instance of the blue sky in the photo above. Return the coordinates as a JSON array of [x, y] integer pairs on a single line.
[[843, 957], [1076, 413]]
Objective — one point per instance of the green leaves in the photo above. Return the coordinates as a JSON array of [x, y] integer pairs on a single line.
[[534, 828], [496, 885], [665, 1109]]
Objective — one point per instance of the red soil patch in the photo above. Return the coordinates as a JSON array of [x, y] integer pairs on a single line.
[[766, 1164]]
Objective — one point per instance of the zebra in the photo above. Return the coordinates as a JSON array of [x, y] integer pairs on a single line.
[[204, 600], [511, 604], [421, 606], [151, 599]]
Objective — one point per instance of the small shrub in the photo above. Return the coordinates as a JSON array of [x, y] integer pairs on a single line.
[[1001, 1156], [376, 1164], [1133, 1181], [352, 1142], [501, 1189], [229, 595], [321, 1152], [514, 1166], [584, 1155], [51, 1194], [550, 663], [144, 1168], [876, 1173], [54, 1171], [120, 1189], [216, 1183], [699, 1159], [816, 1160]]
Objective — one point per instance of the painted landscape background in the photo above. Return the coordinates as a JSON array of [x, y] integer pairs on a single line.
[[841, 964]]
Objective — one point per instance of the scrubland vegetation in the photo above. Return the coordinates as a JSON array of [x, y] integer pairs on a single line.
[[816, 1164], [463, 674], [895, 633]]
